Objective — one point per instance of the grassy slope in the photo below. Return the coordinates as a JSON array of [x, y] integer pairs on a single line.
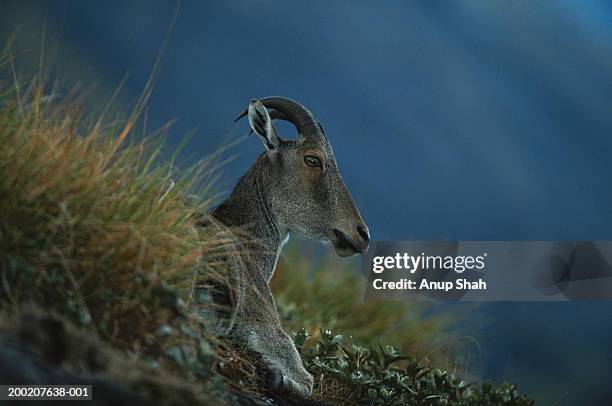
[[94, 226]]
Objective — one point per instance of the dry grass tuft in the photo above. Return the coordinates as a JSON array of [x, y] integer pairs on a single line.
[[96, 226]]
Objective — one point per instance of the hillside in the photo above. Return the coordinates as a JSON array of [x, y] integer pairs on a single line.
[[100, 260]]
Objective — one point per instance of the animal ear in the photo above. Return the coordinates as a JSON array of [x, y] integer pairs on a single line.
[[261, 124]]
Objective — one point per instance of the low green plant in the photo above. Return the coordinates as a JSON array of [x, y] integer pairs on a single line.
[[346, 373]]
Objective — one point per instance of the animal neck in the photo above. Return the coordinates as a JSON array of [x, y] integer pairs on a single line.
[[248, 212]]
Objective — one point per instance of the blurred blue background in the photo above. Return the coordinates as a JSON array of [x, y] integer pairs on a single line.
[[482, 120]]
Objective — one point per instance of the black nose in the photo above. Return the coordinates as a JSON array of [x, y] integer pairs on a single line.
[[364, 233], [345, 242]]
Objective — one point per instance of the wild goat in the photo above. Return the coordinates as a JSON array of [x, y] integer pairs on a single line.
[[293, 187]]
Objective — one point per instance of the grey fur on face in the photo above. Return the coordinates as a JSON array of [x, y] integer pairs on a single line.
[[293, 187]]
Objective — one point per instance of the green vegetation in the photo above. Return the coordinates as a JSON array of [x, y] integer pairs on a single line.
[[97, 227], [352, 374]]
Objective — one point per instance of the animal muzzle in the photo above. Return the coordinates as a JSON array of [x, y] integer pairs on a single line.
[[355, 243]]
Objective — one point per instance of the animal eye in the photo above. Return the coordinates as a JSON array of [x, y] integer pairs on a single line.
[[312, 161]]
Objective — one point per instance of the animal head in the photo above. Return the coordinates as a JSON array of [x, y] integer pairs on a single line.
[[304, 187]]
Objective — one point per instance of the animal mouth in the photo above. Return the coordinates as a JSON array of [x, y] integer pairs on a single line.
[[345, 245]]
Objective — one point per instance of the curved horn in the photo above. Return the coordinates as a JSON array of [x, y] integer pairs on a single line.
[[291, 111]]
